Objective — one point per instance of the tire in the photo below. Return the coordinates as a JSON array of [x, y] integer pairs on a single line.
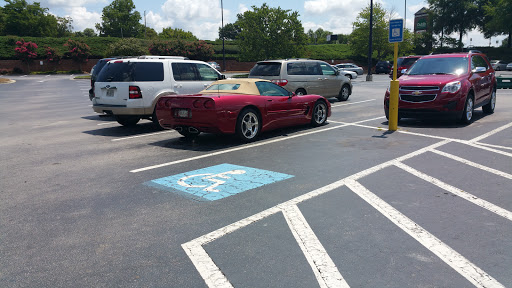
[[300, 91], [344, 93], [489, 107], [319, 115], [127, 120], [469, 109], [248, 125]]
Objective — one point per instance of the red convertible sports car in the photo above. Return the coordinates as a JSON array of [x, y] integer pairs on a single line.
[[242, 106]]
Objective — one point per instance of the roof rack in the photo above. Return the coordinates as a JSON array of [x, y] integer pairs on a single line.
[[162, 57]]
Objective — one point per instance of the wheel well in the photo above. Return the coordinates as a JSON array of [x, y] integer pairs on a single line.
[[153, 104], [251, 107]]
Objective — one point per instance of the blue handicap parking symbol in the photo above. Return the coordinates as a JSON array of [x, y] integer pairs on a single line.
[[217, 182]]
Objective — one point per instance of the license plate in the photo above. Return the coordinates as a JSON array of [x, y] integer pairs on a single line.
[[183, 113], [110, 92]]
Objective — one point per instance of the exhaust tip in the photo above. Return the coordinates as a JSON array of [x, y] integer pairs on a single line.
[[179, 128], [193, 130]]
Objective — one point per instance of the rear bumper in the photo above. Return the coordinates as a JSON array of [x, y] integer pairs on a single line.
[[117, 110]]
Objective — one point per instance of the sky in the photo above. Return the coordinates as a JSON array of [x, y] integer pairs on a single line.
[[204, 17]]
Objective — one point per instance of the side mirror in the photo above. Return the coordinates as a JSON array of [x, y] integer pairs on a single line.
[[292, 94], [337, 72], [479, 70]]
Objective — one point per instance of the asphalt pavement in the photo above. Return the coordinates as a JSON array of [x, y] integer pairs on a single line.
[[85, 202]]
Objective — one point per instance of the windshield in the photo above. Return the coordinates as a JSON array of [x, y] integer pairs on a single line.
[[439, 66]]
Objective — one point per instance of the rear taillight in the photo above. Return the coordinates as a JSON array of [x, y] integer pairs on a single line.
[[134, 92], [208, 104], [280, 82]]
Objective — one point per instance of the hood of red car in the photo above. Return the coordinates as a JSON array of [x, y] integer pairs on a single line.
[[428, 80]]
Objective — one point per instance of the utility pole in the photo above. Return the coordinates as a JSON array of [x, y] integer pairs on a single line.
[[223, 50], [369, 77]]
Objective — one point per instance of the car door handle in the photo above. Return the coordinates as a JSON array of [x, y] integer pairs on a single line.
[[177, 86], [269, 100], [320, 79]]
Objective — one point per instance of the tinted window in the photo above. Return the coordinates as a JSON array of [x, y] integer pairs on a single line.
[[407, 61], [207, 73], [303, 68], [452, 65], [477, 61], [132, 72], [185, 72], [271, 89], [266, 69], [327, 69]]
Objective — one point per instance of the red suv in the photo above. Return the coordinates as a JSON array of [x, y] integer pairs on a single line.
[[403, 63], [453, 84]]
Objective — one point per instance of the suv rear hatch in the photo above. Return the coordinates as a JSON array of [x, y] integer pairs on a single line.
[[117, 83]]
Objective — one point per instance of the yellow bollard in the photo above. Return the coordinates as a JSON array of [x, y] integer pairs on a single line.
[[393, 105]]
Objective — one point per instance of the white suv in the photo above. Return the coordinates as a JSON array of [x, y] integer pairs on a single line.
[[130, 88]]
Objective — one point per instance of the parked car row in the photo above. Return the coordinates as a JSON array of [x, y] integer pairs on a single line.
[[192, 96]]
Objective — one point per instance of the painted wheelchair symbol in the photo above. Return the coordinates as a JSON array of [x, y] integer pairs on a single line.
[[210, 177]]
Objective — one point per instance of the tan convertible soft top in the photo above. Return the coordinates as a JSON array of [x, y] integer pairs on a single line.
[[247, 86]]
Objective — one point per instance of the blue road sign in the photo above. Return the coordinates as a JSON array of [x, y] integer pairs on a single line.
[[217, 182], [396, 30]]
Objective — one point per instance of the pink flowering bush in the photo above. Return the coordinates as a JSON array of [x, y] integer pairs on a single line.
[[78, 51], [26, 51], [52, 55]]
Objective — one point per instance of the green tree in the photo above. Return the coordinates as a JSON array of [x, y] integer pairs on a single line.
[[64, 27], [319, 36], [120, 20], [170, 33], [150, 33], [455, 16], [498, 14], [229, 32], [267, 33], [23, 19], [128, 47], [360, 34], [89, 32], [2, 21]]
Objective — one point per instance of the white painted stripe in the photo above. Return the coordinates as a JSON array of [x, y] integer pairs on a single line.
[[463, 266], [491, 132], [205, 266], [243, 147], [489, 149], [470, 163], [461, 193], [493, 146], [107, 123], [325, 270], [351, 103], [139, 136]]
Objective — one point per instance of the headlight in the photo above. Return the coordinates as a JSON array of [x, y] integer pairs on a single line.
[[452, 87]]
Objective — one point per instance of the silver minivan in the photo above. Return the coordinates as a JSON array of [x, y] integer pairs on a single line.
[[304, 76]]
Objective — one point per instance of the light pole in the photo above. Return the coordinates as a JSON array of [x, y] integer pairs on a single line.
[[369, 77], [223, 51]]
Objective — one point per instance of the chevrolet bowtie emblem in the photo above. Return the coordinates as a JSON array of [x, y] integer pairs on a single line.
[[416, 93]]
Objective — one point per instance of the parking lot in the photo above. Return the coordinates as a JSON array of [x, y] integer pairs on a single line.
[[86, 202]]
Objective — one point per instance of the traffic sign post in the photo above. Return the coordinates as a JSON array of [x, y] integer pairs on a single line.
[[396, 34]]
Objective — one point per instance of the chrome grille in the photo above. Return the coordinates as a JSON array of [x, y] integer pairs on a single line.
[[418, 88], [417, 99]]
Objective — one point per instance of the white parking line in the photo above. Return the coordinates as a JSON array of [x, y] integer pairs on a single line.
[[470, 163], [459, 263], [323, 267], [107, 123], [351, 103], [144, 135], [493, 146], [243, 147], [491, 132], [463, 194]]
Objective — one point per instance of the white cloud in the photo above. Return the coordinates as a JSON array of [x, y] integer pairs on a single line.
[[66, 3], [82, 18], [242, 8]]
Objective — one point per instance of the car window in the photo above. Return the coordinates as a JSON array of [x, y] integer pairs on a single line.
[[207, 73], [131, 72], [408, 61], [271, 89], [296, 68], [477, 61], [185, 72], [224, 86], [429, 66], [327, 69], [266, 69]]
